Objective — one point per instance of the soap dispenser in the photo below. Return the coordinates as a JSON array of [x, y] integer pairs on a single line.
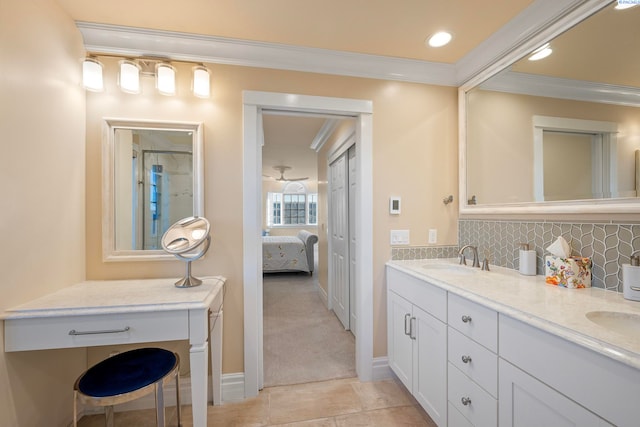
[[631, 278], [527, 260]]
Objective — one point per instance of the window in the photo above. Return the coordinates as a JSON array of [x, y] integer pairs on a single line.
[[293, 207]]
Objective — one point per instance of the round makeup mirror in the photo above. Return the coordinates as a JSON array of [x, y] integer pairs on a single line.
[[188, 239]]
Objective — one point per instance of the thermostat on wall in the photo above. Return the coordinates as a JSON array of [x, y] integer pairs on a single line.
[[394, 205]]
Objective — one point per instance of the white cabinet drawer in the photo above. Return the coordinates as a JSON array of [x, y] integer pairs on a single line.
[[456, 419], [84, 331], [475, 321], [429, 298], [474, 360], [481, 409]]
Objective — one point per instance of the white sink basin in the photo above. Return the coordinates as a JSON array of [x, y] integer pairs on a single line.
[[621, 323], [451, 268]]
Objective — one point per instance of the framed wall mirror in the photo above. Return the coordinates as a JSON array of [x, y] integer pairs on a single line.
[[559, 134], [152, 177]]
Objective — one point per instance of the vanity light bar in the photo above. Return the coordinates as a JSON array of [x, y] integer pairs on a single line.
[[129, 76]]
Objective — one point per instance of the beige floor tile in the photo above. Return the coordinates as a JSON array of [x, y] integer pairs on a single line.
[[252, 412], [141, 418], [319, 400], [382, 394], [325, 422], [404, 416]]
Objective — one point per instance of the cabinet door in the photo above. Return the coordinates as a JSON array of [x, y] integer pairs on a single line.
[[430, 365], [399, 343], [527, 402]]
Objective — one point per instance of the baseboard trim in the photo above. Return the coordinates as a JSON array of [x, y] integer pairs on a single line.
[[380, 369]]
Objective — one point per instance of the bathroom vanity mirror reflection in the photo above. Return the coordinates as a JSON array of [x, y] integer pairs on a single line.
[[152, 177], [560, 133]]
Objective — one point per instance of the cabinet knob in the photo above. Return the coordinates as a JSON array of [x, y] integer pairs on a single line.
[[466, 401], [466, 359], [466, 319]]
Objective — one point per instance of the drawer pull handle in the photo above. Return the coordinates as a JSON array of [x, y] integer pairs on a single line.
[[108, 331], [466, 401], [466, 359], [466, 319], [412, 329], [407, 325]]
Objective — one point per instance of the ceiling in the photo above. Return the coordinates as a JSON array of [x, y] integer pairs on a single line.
[[379, 27]]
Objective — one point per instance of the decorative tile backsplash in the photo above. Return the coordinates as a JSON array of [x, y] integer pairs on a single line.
[[608, 245], [399, 253]]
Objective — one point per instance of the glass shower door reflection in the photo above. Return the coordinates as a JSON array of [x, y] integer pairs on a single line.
[[167, 195]]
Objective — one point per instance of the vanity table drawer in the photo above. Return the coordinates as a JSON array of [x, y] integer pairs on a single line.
[[92, 330], [474, 403], [473, 320], [475, 361]]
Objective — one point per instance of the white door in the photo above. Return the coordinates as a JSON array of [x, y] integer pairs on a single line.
[[352, 238], [339, 226]]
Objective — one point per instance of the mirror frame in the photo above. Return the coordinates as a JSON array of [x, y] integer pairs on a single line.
[[109, 125], [593, 206]]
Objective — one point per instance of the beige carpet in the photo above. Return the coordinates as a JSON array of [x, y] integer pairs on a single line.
[[303, 341]]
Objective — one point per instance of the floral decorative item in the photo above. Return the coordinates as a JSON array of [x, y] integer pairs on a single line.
[[572, 272]]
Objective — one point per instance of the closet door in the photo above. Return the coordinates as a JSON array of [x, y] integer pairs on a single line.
[[352, 237], [339, 223]]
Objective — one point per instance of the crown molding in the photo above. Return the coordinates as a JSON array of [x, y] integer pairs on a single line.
[[554, 87], [128, 41]]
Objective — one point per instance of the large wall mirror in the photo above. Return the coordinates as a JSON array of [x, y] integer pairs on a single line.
[[152, 177], [559, 134]]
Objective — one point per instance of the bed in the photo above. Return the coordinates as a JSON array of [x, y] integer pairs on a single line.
[[288, 253]]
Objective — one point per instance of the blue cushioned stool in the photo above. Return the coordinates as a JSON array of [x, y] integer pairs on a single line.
[[128, 376]]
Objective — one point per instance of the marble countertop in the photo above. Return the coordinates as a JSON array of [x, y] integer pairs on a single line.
[[119, 296], [557, 310]]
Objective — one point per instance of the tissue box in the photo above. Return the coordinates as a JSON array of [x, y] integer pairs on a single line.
[[572, 272]]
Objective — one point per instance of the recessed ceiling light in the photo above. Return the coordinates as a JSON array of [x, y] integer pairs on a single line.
[[623, 6], [541, 52], [439, 39]]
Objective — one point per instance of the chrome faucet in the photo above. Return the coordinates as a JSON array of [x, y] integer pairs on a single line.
[[463, 260]]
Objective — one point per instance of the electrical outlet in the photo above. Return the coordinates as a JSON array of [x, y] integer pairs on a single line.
[[433, 235], [399, 237]]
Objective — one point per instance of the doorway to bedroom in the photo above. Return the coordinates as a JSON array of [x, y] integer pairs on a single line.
[[303, 339]]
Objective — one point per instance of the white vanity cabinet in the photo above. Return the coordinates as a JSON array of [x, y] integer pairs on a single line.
[[417, 340], [474, 355]]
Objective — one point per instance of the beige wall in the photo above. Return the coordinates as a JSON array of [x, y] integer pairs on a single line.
[[42, 182], [415, 156], [500, 135]]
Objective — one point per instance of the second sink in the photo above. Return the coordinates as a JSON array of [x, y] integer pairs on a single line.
[[619, 322]]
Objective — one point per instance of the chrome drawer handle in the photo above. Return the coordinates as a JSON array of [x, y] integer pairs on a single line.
[[108, 331], [466, 319], [412, 328], [407, 325], [466, 401], [466, 359]]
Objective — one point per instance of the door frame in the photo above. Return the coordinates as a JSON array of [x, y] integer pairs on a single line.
[[254, 103]]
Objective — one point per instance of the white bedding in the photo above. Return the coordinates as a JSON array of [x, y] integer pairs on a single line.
[[284, 253]]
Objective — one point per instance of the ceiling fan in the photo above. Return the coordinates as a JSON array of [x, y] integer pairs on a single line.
[[282, 169]]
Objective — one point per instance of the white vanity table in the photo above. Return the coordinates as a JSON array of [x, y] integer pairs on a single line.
[[96, 313], [506, 349]]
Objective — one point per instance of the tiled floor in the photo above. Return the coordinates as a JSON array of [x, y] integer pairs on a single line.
[[336, 403]]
